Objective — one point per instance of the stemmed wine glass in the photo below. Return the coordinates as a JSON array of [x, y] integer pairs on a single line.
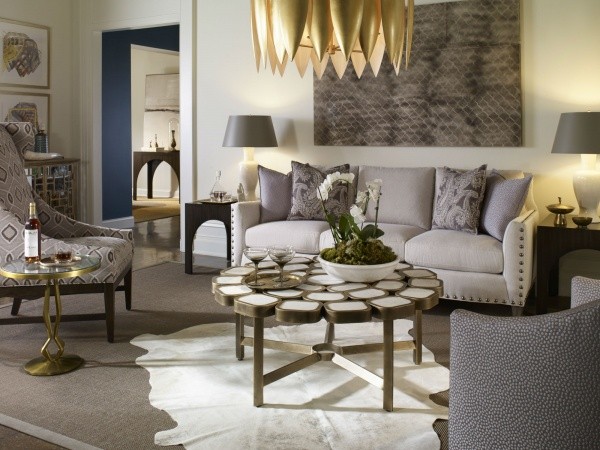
[[256, 255], [281, 256]]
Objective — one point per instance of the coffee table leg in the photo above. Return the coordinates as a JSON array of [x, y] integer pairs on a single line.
[[258, 361], [388, 365], [418, 351], [239, 336]]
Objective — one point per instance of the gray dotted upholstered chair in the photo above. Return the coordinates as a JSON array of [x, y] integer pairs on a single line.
[[527, 382], [113, 247]]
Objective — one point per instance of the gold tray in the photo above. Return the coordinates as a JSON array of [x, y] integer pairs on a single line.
[[270, 282], [49, 262]]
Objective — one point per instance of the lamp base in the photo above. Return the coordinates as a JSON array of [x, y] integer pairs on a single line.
[[586, 184], [249, 178]]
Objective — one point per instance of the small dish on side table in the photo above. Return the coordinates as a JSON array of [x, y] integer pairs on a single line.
[[50, 261], [582, 221]]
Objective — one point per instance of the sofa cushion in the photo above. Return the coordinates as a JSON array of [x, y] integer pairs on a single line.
[[306, 203], [407, 194], [458, 199], [275, 194], [395, 237], [455, 250], [502, 202], [302, 235]]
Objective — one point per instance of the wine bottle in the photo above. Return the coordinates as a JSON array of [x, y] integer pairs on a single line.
[[33, 236]]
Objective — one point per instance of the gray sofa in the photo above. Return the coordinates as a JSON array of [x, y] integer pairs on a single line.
[[474, 267]]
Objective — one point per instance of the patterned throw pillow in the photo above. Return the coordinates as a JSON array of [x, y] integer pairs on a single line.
[[306, 203], [275, 194], [503, 201], [458, 199], [22, 135]]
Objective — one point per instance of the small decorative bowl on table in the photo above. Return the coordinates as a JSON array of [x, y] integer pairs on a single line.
[[581, 221], [561, 210]]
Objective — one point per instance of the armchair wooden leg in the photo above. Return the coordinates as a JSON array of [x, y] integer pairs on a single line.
[[109, 307], [15, 306], [128, 283]]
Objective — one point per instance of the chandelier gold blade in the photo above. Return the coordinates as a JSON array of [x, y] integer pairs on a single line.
[[321, 27], [392, 12], [281, 65], [359, 63], [319, 66], [302, 58], [346, 16], [369, 30], [289, 19], [410, 19], [255, 43], [273, 60], [261, 19], [377, 56], [340, 63]]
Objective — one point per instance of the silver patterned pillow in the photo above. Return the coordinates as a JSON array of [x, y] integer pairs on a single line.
[[306, 204], [458, 199], [503, 201]]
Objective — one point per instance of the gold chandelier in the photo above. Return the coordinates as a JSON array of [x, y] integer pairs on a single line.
[[340, 30]]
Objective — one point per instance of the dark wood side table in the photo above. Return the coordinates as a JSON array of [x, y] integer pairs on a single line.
[[196, 214], [153, 159], [552, 243]]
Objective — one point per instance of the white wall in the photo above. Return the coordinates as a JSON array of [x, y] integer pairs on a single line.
[[146, 61], [560, 73], [57, 15]]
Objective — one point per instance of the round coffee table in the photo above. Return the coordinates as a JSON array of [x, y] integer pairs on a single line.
[[58, 363], [315, 296]]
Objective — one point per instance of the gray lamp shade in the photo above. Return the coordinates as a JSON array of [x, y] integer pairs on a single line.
[[578, 132], [250, 131]]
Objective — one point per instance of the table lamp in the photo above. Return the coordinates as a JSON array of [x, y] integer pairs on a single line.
[[579, 132], [249, 132]]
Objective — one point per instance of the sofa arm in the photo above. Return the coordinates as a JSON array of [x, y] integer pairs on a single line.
[[518, 249], [59, 226], [243, 216]]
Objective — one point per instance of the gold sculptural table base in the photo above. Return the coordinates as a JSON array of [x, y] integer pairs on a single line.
[[327, 351], [59, 363]]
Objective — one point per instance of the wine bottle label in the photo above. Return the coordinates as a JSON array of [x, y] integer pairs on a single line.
[[31, 243]]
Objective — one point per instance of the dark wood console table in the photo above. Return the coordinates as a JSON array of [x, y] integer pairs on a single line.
[[153, 159], [196, 214], [552, 243]]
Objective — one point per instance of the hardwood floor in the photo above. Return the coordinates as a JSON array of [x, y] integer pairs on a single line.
[[156, 242]]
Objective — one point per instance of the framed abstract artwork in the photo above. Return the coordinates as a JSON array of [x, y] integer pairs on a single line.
[[25, 54], [25, 107]]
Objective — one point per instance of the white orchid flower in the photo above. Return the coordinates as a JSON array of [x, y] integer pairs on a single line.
[[323, 191], [361, 198], [357, 213], [374, 188], [331, 179]]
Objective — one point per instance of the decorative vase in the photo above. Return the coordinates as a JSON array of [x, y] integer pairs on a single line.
[[359, 273]]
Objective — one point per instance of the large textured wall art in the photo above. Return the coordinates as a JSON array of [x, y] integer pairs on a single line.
[[462, 87]]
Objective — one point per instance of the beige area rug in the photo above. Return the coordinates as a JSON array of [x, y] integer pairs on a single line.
[[144, 209], [196, 378]]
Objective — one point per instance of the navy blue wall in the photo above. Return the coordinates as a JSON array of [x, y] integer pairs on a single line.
[[116, 111]]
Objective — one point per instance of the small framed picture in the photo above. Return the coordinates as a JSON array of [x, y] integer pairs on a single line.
[[25, 54], [25, 107]]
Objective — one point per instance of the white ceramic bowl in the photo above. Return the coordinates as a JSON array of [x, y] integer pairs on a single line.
[[361, 274]]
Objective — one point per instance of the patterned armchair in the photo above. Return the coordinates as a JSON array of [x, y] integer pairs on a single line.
[[113, 247], [527, 382]]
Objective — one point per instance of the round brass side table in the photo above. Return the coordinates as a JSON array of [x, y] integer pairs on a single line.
[[58, 363]]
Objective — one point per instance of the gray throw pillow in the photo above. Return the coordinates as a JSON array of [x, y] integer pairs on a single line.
[[503, 201], [306, 203], [458, 199], [275, 194]]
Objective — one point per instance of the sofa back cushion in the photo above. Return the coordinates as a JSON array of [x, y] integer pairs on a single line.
[[407, 194], [275, 194]]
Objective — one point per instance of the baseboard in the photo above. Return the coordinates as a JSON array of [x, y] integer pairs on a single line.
[[211, 240], [158, 193], [122, 222]]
